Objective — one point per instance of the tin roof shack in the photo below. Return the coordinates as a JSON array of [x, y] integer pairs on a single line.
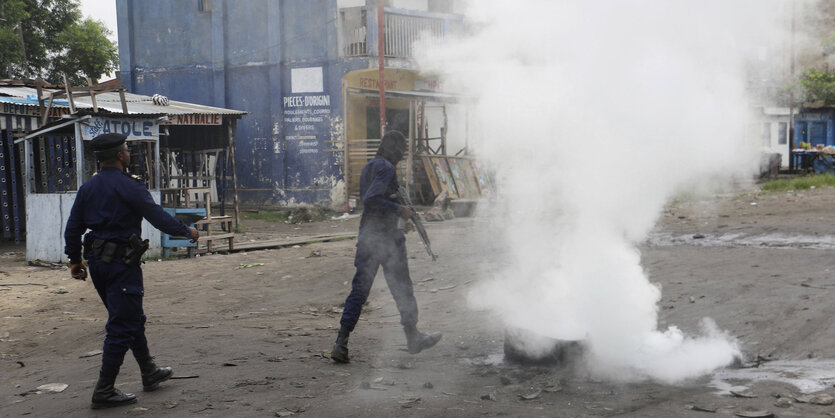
[[19, 115], [174, 146]]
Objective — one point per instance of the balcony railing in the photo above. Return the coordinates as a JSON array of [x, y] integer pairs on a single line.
[[401, 30]]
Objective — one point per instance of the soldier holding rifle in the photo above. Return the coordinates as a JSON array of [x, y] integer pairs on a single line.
[[382, 243]]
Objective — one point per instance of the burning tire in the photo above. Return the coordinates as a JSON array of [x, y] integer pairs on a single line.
[[528, 348]]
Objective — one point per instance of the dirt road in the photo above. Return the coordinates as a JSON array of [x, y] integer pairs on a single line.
[[255, 341]]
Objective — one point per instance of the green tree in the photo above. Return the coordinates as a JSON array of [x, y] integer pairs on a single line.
[[12, 13], [40, 38], [819, 85], [88, 52]]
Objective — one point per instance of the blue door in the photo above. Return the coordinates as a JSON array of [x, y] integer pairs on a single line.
[[817, 133], [801, 133]]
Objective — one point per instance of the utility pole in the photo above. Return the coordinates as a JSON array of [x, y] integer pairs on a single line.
[[381, 49], [791, 94], [25, 63]]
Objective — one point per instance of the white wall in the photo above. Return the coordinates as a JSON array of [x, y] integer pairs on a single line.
[[411, 4], [46, 219], [349, 3], [767, 131]]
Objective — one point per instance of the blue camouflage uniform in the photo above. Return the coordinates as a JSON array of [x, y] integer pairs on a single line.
[[380, 242], [112, 204]]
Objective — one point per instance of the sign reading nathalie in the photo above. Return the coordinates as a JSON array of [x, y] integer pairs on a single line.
[[134, 129]]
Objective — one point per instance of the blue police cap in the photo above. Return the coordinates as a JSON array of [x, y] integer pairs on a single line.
[[107, 141]]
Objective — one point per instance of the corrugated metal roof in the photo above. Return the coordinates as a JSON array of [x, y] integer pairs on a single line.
[[421, 95], [19, 92], [111, 103], [140, 105]]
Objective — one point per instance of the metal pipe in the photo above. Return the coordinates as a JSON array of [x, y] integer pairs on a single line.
[[381, 45]]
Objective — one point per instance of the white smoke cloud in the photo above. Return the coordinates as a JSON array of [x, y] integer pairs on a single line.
[[594, 114]]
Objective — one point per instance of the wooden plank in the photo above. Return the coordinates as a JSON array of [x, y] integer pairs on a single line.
[[68, 89], [430, 173], [445, 183], [278, 243], [484, 182], [92, 95], [213, 237], [458, 176], [469, 176], [214, 220]]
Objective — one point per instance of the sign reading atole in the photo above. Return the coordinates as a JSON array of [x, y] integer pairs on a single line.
[[134, 129]]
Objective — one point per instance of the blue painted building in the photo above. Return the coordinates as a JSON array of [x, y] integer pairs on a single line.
[[289, 64], [815, 126]]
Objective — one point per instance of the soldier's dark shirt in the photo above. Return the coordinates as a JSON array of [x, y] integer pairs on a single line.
[[378, 183], [112, 204]]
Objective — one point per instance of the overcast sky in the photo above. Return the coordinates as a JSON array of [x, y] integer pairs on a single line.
[[104, 10]]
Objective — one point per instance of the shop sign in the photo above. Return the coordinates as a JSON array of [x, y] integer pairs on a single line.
[[144, 129], [428, 84], [32, 110], [194, 120]]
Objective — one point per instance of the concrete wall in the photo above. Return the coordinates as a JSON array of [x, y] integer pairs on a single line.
[[240, 55]]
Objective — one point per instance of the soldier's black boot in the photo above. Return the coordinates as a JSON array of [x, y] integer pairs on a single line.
[[152, 375], [417, 341], [339, 353], [107, 396]]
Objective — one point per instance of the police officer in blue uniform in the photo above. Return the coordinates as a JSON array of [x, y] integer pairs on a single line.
[[112, 204], [382, 243]]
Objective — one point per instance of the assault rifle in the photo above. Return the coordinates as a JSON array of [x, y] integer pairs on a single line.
[[405, 200]]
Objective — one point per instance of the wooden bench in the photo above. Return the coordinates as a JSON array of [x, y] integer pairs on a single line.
[[201, 197]]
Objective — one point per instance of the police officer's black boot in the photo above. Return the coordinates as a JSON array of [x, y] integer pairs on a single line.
[[152, 375], [417, 341], [339, 353], [107, 396]]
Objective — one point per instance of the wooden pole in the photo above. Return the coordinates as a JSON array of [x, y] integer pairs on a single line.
[[231, 132], [92, 95], [381, 49], [69, 93]]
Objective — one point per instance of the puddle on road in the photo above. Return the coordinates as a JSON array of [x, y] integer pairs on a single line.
[[817, 242], [807, 376]]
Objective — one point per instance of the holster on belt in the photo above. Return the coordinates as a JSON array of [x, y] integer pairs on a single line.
[[107, 251], [87, 243], [135, 249], [104, 250]]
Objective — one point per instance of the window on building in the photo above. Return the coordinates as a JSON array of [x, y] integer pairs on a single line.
[[766, 134], [782, 133], [204, 5]]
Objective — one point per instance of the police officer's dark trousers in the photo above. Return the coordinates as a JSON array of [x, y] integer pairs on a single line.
[[387, 249], [121, 289]]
